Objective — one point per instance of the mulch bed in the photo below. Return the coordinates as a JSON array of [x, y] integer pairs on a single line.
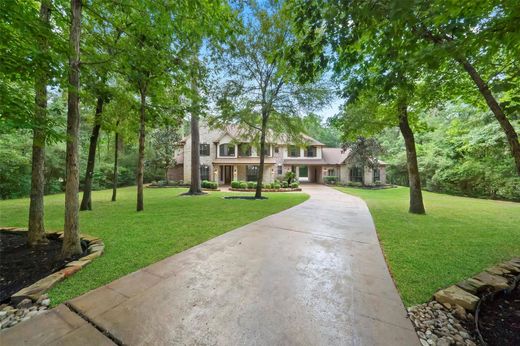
[[499, 319], [244, 197], [21, 266]]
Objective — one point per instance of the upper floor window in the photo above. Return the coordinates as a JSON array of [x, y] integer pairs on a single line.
[[244, 149], [293, 151], [204, 149], [377, 175], [356, 174], [227, 149], [311, 151], [267, 150]]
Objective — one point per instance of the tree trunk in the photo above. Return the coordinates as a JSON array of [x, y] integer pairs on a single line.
[[416, 200], [86, 202], [259, 181], [114, 180], [195, 188], [36, 234], [71, 243], [140, 162], [509, 130]]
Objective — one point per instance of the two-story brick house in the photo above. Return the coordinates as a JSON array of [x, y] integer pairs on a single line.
[[227, 155]]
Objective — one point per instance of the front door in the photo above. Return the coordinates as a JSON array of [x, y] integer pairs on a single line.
[[228, 173]]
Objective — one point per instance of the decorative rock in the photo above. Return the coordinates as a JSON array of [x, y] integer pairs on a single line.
[[456, 295], [38, 288], [24, 304], [498, 270], [497, 282], [424, 342], [472, 286], [460, 312], [46, 302], [444, 341]]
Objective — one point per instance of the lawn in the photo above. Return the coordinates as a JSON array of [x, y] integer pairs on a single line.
[[458, 237], [169, 224]]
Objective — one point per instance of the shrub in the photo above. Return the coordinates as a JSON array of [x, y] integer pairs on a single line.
[[290, 176], [242, 185], [235, 184], [205, 184], [330, 179], [251, 184], [212, 185], [267, 186], [295, 184], [354, 184], [276, 185], [377, 183], [285, 184]]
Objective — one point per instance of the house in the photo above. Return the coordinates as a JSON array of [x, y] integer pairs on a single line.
[[227, 155]]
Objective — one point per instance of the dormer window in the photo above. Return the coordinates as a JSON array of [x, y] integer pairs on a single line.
[[226, 149], [244, 150], [293, 151], [311, 151]]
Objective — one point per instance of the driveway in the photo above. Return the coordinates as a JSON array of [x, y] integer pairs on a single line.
[[310, 275]]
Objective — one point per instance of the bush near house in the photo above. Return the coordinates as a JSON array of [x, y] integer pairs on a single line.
[[285, 184], [330, 179], [251, 184], [295, 184], [206, 184]]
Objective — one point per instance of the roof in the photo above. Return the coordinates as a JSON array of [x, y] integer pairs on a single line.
[[240, 134], [243, 160], [334, 156]]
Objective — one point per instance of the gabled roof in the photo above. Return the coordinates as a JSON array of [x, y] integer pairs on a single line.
[[334, 156]]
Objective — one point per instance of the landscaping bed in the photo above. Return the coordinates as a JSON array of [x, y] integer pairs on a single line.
[[499, 318], [21, 266]]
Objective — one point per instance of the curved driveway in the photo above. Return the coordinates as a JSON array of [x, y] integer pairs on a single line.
[[310, 275]]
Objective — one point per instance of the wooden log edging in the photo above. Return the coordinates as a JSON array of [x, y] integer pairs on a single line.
[[95, 248]]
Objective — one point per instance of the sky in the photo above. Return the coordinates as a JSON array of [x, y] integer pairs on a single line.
[[331, 110]]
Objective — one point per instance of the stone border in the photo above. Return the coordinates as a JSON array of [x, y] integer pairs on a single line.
[[39, 288], [467, 293], [289, 189]]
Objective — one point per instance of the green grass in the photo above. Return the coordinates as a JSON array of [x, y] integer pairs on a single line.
[[457, 238], [169, 224]]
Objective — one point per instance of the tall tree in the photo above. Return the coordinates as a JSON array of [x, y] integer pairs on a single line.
[[36, 234], [482, 38], [363, 152], [369, 55], [261, 93], [71, 243]]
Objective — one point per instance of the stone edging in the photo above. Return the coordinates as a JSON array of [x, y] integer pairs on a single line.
[[467, 293], [36, 290]]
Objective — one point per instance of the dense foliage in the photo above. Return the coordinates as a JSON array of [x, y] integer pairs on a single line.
[[461, 150]]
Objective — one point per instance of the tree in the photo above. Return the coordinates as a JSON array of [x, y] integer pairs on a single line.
[[261, 93], [363, 152], [316, 128], [370, 58], [36, 234], [71, 243], [483, 40], [164, 141]]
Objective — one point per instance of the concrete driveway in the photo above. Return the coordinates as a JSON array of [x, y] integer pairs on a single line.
[[310, 275]]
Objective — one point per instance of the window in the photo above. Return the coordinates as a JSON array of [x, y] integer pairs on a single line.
[[356, 174], [204, 172], [244, 149], [311, 151], [331, 173], [377, 175], [276, 150], [293, 151], [279, 170], [227, 149], [267, 150], [204, 149], [251, 173]]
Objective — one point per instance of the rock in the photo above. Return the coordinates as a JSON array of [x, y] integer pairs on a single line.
[[470, 343], [498, 270], [3, 315], [456, 295], [443, 342], [458, 338], [460, 312], [38, 288], [472, 286], [46, 302], [42, 297], [497, 282], [464, 335], [24, 304], [424, 342], [447, 306]]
